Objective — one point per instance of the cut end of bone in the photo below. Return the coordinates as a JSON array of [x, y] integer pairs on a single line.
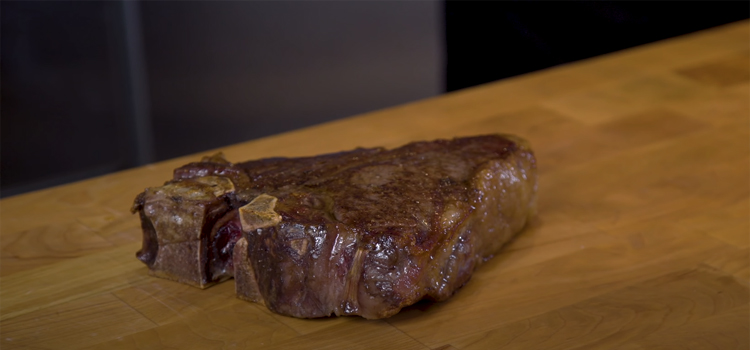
[[219, 185], [259, 213]]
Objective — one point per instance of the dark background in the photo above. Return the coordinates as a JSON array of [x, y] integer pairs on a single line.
[[94, 87], [491, 40]]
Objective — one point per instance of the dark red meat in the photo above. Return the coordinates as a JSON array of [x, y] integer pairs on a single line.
[[364, 232]]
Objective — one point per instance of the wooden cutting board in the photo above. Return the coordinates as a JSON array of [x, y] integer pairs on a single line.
[[641, 240]]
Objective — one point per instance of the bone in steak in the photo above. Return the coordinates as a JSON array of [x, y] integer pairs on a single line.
[[364, 232]]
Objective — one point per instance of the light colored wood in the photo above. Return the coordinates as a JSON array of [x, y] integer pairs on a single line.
[[641, 240]]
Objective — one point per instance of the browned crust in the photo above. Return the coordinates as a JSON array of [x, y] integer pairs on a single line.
[[330, 223]]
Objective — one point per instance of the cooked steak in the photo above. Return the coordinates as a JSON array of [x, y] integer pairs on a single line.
[[365, 232]]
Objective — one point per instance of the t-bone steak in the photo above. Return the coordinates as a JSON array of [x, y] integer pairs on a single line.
[[364, 232]]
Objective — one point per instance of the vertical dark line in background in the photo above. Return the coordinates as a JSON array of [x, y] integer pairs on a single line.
[[487, 41], [130, 80], [137, 84], [135, 129]]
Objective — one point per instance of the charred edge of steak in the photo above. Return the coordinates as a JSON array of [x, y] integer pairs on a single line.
[[150, 247]]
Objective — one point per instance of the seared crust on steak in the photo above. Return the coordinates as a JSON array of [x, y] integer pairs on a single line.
[[364, 232]]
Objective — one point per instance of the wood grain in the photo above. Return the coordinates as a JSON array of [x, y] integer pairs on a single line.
[[641, 241]]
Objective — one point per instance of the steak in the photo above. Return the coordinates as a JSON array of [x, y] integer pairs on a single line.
[[364, 232]]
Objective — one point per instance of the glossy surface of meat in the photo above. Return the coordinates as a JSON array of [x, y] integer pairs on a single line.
[[364, 232]]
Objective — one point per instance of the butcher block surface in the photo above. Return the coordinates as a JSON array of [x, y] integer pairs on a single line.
[[641, 241]]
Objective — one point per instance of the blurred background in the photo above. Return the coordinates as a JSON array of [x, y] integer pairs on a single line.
[[88, 88]]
